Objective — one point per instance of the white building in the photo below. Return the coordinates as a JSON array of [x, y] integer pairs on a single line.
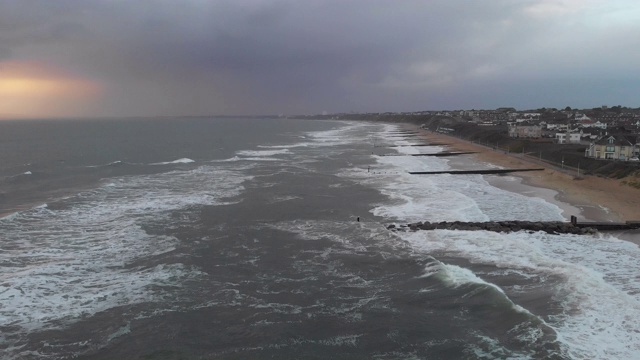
[[599, 125], [568, 137], [580, 117], [558, 126]]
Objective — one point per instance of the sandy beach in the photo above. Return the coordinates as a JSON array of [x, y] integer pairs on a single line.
[[595, 198]]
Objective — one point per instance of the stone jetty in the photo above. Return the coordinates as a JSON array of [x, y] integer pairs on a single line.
[[446, 153], [466, 172], [440, 154], [551, 227], [419, 145]]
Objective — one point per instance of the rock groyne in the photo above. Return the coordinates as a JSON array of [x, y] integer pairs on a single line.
[[550, 227]]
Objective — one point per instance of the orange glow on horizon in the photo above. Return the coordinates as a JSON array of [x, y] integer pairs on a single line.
[[32, 89]]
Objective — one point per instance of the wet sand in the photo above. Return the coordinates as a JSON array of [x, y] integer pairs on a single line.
[[590, 198]]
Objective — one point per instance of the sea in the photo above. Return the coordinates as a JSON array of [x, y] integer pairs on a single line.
[[267, 238]]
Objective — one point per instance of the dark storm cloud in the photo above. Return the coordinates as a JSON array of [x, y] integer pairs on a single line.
[[257, 56], [24, 23]]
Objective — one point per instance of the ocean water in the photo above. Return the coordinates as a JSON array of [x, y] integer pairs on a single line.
[[199, 238]]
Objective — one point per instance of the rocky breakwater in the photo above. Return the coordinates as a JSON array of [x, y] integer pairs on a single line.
[[550, 227]]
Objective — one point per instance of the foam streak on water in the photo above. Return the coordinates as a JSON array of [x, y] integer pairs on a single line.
[[92, 252]]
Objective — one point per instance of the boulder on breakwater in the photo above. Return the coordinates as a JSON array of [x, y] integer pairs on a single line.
[[550, 227]]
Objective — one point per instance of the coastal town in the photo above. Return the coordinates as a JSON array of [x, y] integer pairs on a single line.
[[602, 141]]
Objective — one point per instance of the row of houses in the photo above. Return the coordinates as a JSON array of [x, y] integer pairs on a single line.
[[525, 130], [596, 117], [624, 147], [533, 129]]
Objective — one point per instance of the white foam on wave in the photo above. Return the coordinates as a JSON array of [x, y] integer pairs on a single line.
[[456, 276], [277, 199], [12, 216], [500, 204], [349, 340], [333, 135], [602, 302], [404, 147], [246, 159], [317, 230], [65, 264], [598, 288], [348, 132], [599, 291], [122, 331], [26, 173], [444, 197], [415, 198], [319, 144], [9, 216], [381, 134], [490, 348], [179, 161], [288, 147], [113, 163], [259, 153]]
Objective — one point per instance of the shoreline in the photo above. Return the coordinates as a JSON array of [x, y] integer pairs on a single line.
[[594, 198]]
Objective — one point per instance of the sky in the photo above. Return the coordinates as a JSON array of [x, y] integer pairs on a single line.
[[103, 58]]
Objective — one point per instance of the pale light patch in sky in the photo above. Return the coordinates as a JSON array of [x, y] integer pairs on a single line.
[[33, 89], [429, 71], [485, 71], [544, 8], [419, 75]]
